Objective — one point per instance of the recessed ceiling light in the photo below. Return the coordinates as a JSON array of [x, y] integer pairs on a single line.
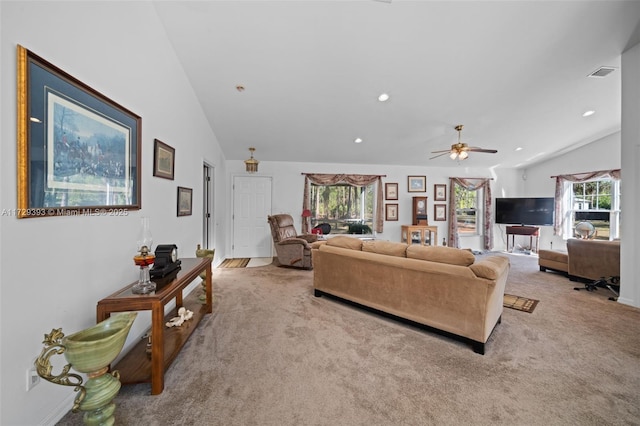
[[519, 148], [383, 97], [358, 140], [588, 113]]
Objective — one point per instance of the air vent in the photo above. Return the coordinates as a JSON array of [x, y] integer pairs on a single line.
[[602, 72]]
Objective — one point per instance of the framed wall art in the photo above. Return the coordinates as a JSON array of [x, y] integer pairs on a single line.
[[185, 199], [391, 212], [164, 160], [417, 184], [440, 212], [78, 151], [391, 191], [440, 192]]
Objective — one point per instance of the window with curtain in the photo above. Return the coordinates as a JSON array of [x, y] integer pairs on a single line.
[[347, 208], [592, 197], [357, 200], [596, 202], [468, 211]]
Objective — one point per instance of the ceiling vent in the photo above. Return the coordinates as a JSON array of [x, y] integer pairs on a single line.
[[602, 72]]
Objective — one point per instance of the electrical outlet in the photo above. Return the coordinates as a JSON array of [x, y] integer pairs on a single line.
[[32, 378]]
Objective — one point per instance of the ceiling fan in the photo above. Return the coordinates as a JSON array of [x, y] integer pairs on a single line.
[[461, 150]]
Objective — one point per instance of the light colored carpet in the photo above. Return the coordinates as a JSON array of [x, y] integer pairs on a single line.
[[273, 354]]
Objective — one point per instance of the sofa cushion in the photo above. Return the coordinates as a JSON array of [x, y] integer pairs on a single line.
[[345, 242], [388, 248], [450, 255]]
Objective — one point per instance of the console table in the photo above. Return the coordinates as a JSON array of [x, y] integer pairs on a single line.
[[419, 234], [531, 231], [135, 366]]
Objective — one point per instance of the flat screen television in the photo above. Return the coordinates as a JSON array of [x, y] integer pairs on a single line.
[[525, 211]]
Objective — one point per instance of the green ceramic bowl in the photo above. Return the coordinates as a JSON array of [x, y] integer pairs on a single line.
[[96, 347]]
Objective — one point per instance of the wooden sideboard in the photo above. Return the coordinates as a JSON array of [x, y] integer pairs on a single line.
[[419, 234], [530, 231], [135, 366]]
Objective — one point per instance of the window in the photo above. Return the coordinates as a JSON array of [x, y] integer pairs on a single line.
[[596, 202], [468, 211], [348, 209]]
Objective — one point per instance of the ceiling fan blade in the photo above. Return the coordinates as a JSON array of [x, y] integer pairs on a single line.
[[476, 149], [439, 155], [438, 152]]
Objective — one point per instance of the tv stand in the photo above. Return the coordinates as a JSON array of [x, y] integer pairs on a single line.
[[531, 231]]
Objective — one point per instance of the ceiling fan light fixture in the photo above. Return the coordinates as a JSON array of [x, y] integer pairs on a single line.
[[464, 155], [453, 155]]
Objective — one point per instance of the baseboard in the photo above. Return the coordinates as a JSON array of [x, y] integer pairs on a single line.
[[56, 415]]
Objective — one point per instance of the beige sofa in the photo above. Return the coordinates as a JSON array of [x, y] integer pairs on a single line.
[[441, 287]]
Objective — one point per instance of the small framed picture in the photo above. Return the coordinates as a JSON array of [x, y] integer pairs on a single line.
[[164, 159], [417, 184], [391, 212], [440, 212], [391, 191], [440, 192], [185, 198]]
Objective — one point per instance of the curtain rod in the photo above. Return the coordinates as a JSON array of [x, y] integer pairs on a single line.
[[487, 178], [588, 173], [340, 174]]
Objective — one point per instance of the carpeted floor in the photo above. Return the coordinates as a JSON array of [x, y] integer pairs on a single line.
[[273, 354]]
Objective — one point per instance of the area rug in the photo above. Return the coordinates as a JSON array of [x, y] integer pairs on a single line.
[[235, 263], [519, 303]]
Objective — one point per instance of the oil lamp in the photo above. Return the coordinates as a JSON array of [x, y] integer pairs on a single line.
[[144, 258]]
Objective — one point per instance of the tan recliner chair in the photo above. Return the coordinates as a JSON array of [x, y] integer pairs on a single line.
[[292, 249]]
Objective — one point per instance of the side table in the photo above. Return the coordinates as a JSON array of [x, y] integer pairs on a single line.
[[135, 366]]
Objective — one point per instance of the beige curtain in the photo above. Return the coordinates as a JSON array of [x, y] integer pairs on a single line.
[[471, 185], [355, 180], [558, 221]]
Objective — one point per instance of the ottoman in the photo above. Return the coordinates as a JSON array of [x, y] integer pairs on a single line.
[[554, 260]]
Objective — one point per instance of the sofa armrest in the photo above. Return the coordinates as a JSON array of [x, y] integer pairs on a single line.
[[310, 238], [490, 268], [290, 241]]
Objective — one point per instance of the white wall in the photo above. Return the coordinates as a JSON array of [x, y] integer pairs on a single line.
[[630, 241], [288, 184], [602, 154], [54, 270]]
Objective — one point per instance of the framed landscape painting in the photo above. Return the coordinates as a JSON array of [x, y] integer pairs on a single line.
[[417, 183], [78, 151], [164, 159], [185, 198]]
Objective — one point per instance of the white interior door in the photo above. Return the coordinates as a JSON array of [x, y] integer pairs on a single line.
[[251, 206]]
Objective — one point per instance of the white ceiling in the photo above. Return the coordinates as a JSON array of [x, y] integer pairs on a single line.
[[513, 72]]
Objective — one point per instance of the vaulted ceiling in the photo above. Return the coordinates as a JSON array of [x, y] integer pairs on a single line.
[[515, 73]]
